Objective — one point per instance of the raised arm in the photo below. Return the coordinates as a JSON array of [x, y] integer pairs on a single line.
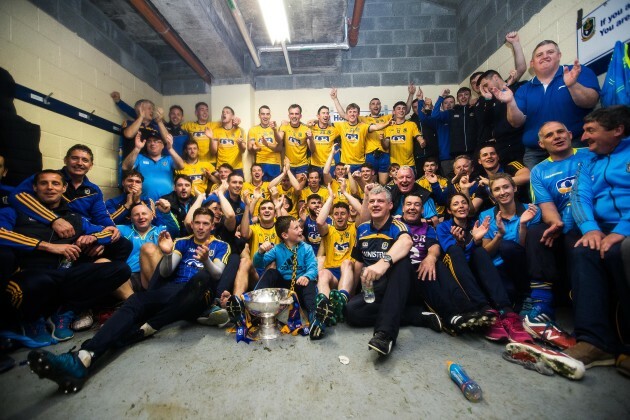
[[327, 177], [519, 58], [340, 110], [322, 226], [130, 160]]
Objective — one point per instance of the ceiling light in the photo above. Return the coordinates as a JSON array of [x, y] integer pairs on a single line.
[[275, 20]]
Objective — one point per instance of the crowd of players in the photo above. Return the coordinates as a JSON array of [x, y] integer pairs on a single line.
[[474, 215]]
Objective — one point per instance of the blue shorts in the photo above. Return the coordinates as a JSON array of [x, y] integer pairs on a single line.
[[270, 171], [299, 169], [335, 272], [380, 164], [354, 168]]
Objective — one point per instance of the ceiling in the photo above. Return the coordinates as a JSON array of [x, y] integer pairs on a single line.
[[209, 30]]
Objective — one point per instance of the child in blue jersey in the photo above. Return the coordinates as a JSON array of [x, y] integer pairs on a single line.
[[183, 286], [296, 265]]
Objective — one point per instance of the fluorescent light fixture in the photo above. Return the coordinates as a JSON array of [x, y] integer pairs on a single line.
[[275, 20]]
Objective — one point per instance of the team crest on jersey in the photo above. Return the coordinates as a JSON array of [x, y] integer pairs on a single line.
[[86, 191], [364, 245], [165, 163], [565, 185], [385, 245], [352, 137]]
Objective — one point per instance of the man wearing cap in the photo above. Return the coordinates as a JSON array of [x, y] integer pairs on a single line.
[[156, 169]]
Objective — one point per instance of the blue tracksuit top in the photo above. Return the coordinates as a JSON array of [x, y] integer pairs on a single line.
[[281, 255], [601, 199]]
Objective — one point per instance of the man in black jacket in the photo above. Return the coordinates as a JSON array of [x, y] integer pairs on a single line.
[[181, 200]]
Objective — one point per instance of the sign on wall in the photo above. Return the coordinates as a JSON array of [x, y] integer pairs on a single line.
[[600, 29]]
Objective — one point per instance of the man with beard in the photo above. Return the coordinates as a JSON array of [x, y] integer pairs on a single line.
[[119, 207], [202, 174], [180, 200]]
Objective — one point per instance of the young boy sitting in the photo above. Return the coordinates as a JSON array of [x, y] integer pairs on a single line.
[[296, 270]]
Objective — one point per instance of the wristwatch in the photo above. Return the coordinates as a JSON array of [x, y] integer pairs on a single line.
[[388, 259]]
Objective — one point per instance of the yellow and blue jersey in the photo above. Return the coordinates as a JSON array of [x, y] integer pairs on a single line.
[[295, 146], [197, 174], [401, 138], [197, 132], [353, 140], [338, 245], [259, 235], [265, 154], [228, 150], [324, 139], [373, 141]]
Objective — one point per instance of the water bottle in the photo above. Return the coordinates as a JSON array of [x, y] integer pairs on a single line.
[[65, 263], [470, 389], [368, 289]]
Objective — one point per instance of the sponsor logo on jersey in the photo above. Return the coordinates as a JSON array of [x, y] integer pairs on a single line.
[[294, 141], [226, 142], [352, 137], [341, 247], [397, 139], [322, 139]]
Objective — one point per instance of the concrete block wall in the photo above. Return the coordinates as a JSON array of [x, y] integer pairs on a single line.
[[44, 55], [399, 42], [555, 21], [83, 18], [483, 24]]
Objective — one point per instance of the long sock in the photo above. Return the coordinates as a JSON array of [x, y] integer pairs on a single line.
[[541, 291], [345, 295]]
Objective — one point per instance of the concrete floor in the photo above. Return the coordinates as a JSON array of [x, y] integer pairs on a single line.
[[200, 372]]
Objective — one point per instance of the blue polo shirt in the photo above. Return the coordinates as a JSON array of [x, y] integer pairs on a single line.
[[552, 104], [158, 175], [552, 182], [511, 226]]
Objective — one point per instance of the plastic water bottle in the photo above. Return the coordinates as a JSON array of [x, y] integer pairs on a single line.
[[368, 289], [65, 264], [470, 389]]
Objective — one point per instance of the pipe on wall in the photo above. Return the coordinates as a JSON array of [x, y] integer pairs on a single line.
[[357, 13], [166, 31]]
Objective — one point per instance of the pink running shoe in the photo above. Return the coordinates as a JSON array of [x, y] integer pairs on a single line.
[[514, 327], [497, 331]]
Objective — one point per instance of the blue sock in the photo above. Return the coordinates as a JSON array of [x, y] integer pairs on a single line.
[[346, 294], [541, 295]]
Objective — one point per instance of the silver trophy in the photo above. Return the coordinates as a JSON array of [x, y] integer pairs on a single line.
[[267, 304]]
